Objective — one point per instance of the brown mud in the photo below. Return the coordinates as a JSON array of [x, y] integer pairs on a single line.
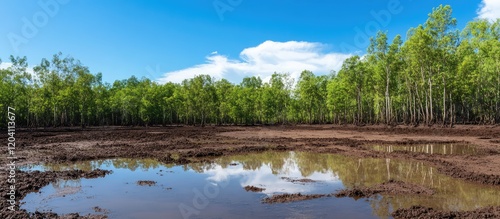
[[99, 209], [285, 198], [253, 189], [146, 183], [182, 145], [391, 187], [302, 181], [34, 181], [424, 212]]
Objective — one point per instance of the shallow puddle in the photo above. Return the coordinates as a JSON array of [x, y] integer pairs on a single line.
[[216, 190], [446, 149]]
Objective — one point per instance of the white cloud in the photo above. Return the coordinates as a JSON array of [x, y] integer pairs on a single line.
[[263, 60], [489, 9], [273, 182], [6, 65]]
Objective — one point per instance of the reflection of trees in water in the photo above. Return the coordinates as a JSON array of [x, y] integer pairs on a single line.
[[200, 167], [381, 207], [428, 148], [370, 171], [352, 171], [62, 188], [451, 194], [275, 160], [124, 163], [61, 184], [83, 165], [134, 164], [309, 163]]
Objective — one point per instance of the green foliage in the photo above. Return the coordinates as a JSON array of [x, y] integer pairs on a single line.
[[439, 75]]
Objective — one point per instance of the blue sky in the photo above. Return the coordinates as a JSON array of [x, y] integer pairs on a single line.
[[175, 39]]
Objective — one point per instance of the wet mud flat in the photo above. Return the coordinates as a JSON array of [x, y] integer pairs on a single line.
[[425, 212], [186, 145], [34, 181], [392, 187]]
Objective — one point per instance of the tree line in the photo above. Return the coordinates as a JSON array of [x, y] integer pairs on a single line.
[[439, 76]]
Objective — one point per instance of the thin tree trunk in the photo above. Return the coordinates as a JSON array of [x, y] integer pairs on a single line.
[[387, 97], [444, 102], [430, 100]]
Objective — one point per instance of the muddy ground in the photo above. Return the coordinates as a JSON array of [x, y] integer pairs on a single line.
[[253, 189], [391, 187], [284, 198], [189, 144]]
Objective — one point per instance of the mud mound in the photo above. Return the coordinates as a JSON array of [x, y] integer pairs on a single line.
[[391, 187], [285, 198], [99, 209], [424, 212], [253, 189], [146, 183], [457, 172], [304, 180], [50, 215]]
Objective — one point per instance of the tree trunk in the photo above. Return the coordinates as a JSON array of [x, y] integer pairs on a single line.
[[388, 115], [452, 114], [430, 100], [444, 102], [55, 116]]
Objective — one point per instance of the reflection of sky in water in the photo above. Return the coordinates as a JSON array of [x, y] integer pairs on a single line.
[[276, 183], [119, 193]]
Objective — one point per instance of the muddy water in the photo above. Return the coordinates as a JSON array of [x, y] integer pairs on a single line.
[[446, 149], [215, 190]]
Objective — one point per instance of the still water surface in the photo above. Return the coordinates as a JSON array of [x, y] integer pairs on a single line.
[[215, 190], [445, 149]]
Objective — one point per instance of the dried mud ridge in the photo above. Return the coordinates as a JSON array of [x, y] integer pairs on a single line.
[[33, 181], [181, 145], [285, 198], [424, 212], [253, 189], [391, 187], [99, 209], [146, 183], [302, 181]]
